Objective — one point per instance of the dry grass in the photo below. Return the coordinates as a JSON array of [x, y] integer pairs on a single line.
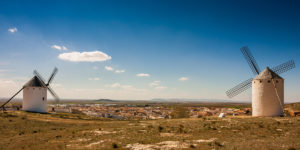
[[22, 130]]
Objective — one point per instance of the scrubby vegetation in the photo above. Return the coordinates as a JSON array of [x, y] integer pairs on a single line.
[[22, 130]]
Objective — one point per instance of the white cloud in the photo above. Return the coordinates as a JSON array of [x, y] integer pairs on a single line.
[[125, 87], [56, 85], [183, 79], [60, 48], [93, 56], [64, 48], [12, 30], [95, 68], [119, 71], [4, 70], [8, 87], [109, 68], [94, 79], [155, 83], [142, 75], [160, 87], [116, 85]]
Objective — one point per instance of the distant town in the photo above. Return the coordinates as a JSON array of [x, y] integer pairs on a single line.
[[145, 111]]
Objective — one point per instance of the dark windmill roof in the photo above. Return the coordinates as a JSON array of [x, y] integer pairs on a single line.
[[35, 81], [268, 74]]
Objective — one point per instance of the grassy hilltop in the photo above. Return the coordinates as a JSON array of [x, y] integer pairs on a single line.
[[22, 130]]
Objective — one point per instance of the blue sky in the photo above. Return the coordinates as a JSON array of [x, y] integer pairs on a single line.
[[196, 41]]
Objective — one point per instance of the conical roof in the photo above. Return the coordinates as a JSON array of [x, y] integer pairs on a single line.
[[35, 81], [268, 74]]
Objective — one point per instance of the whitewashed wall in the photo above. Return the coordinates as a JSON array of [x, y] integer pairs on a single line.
[[33, 99], [264, 98]]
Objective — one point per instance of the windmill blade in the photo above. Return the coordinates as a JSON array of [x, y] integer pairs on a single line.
[[39, 76], [250, 60], [284, 67], [53, 94], [52, 76], [239, 88], [2, 106]]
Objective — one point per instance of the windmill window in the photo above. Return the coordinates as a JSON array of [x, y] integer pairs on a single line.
[[277, 81], [260, 81], [33, 88], [269, 81], [43, 98]]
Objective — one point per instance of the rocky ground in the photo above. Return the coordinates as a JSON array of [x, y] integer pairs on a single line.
[[22, 130]]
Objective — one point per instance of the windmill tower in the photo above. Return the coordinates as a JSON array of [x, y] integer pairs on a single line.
[[35, 96], [267, 87], [35, 93], [267, 94]]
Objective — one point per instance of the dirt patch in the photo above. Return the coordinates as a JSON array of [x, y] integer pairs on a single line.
[[100, 132], [167, 134], [94, 143], [172, 145], [103, 132], [168, 145], [205, 141], [138, 146]]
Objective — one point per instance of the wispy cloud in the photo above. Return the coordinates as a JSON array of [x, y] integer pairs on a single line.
[[109, 68], [93, 56], [94, 79], [142, 75], [183, 79], [160, 87], [12, 30], [56, 85], [115, 85], [4, 70], [125, 87], [60, 48], [95, 67], [156, 85], [119, 71]]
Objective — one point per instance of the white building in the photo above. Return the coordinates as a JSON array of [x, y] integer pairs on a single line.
[[35, 96], [267, 94]]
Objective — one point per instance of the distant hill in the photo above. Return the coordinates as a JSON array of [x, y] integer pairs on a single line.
[[197, 100], [106, 100], [14, 100]]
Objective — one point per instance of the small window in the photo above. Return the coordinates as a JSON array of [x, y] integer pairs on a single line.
[[269, 81], [260, 81], [277, 81], [43, 98], [33, 88]]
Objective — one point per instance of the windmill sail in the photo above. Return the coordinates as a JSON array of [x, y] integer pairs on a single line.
[[39, 76], [239, 88], [52, 76], [53, 94], [250, 60], [49, 81], [284, 67]]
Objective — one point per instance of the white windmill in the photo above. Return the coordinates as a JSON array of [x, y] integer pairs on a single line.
[[267, 87], [35, 93]]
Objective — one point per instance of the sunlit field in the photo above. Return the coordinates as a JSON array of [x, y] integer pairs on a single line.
[[23, 130]]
